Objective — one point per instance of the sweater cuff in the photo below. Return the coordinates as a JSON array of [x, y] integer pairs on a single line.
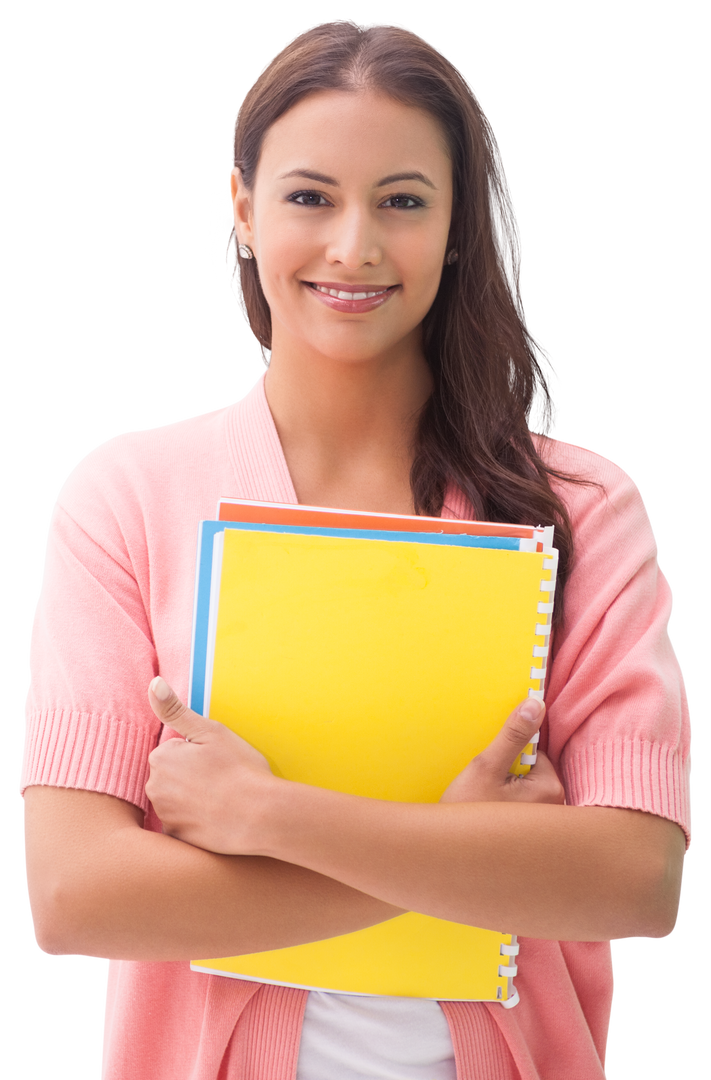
[[88, 751], [634, 774]]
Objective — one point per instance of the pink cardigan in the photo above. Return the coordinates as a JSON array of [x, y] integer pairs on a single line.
[[118, 596]]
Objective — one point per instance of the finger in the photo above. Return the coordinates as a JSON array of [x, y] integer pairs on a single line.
[[546, 779], [517, 732], [171, 711]]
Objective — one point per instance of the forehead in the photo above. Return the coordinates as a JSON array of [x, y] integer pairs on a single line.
[[356, 133]]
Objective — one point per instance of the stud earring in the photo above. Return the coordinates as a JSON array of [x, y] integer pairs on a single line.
[[452, 257], [245, 252]]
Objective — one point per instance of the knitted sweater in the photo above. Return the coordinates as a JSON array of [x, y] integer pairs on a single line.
[[118, 596]]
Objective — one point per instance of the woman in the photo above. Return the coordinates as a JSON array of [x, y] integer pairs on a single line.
[[366, 197]]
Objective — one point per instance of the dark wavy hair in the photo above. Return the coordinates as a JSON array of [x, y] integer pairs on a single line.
[[473, 431]]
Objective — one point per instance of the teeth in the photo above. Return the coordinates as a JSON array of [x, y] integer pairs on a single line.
[[341, 294]]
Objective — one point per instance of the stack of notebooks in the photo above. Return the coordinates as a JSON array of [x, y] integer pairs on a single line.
[[372, 654]]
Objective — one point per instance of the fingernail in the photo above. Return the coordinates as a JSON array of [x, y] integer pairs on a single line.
[[531, 710], [160, 688]]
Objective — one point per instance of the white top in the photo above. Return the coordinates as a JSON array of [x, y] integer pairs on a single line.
[[356, 1037]]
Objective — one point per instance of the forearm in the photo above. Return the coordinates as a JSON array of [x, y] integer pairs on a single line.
[[548, 871], [122, 892]]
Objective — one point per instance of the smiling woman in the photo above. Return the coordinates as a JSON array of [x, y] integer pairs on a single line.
[[374, 238], [376, 110], [360, 244], [360, 232]]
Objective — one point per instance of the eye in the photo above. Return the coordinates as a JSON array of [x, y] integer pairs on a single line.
[[308, 198], [403, 202]]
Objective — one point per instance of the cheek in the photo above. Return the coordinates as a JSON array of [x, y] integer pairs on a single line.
[[421, 258], [286, 247], [432, 274]]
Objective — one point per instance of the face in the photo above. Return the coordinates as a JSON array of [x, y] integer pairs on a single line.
[[348, 219]]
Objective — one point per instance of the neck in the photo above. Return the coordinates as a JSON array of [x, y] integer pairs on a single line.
[[347, 426]]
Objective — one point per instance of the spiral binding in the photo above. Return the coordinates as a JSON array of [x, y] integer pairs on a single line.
[[542, 542], [507, 971]]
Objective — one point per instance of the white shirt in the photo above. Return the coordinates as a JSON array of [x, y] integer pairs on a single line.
[[354, 1037]]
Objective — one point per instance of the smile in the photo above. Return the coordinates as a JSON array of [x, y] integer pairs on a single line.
[[343, 295], [354, 300]]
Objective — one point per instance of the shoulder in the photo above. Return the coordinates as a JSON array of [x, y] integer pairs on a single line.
[[575, 463], [178, 465], [603, 502], [143, 458], [133, 467]]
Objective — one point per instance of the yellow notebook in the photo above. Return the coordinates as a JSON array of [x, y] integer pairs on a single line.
[[379, 668]]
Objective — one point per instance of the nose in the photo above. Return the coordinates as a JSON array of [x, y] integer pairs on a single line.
[[354, 241]]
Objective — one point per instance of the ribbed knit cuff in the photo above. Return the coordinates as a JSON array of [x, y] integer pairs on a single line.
[[636, 774], [88, 751]]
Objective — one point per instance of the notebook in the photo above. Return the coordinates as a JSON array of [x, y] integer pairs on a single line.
[[249, 510], [337, 652]]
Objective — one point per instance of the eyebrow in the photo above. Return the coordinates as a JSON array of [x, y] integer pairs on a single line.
[[394, 178]]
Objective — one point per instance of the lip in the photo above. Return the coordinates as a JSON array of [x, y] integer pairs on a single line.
[[351, 307], [346, 286]]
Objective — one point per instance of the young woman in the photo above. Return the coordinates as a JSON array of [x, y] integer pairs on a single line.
[[371, 222]]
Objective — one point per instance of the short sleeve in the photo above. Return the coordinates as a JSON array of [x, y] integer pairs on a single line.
[[92, 656], [617, 724]]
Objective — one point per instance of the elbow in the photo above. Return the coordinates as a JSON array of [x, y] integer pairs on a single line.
[[52, 933], [636, 893], [41, 893], [661, 913], [656, 921], [56, 918], [649, 916], [51, 939], [659, 887], [664, 927]]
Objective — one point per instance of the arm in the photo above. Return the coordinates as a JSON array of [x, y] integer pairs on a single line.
[[493, 853], [560, 872], [102, 886], [541, 870]]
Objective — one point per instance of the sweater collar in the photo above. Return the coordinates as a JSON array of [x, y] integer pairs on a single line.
[[261, 472]]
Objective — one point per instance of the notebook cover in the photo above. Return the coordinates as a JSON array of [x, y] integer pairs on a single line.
[[376, 653]]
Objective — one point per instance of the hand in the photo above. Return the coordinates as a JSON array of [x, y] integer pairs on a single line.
[[487, 778], [206, 787]]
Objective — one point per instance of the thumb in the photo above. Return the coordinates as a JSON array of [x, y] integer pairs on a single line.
[[520, 727], [170, 711]]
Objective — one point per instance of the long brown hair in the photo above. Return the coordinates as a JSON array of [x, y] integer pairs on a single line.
[[473, 431]]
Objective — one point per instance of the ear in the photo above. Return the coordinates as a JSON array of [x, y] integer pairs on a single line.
[[242, 208]]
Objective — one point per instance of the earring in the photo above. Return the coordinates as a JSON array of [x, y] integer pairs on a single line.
[[452, 257], [245, 252]]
